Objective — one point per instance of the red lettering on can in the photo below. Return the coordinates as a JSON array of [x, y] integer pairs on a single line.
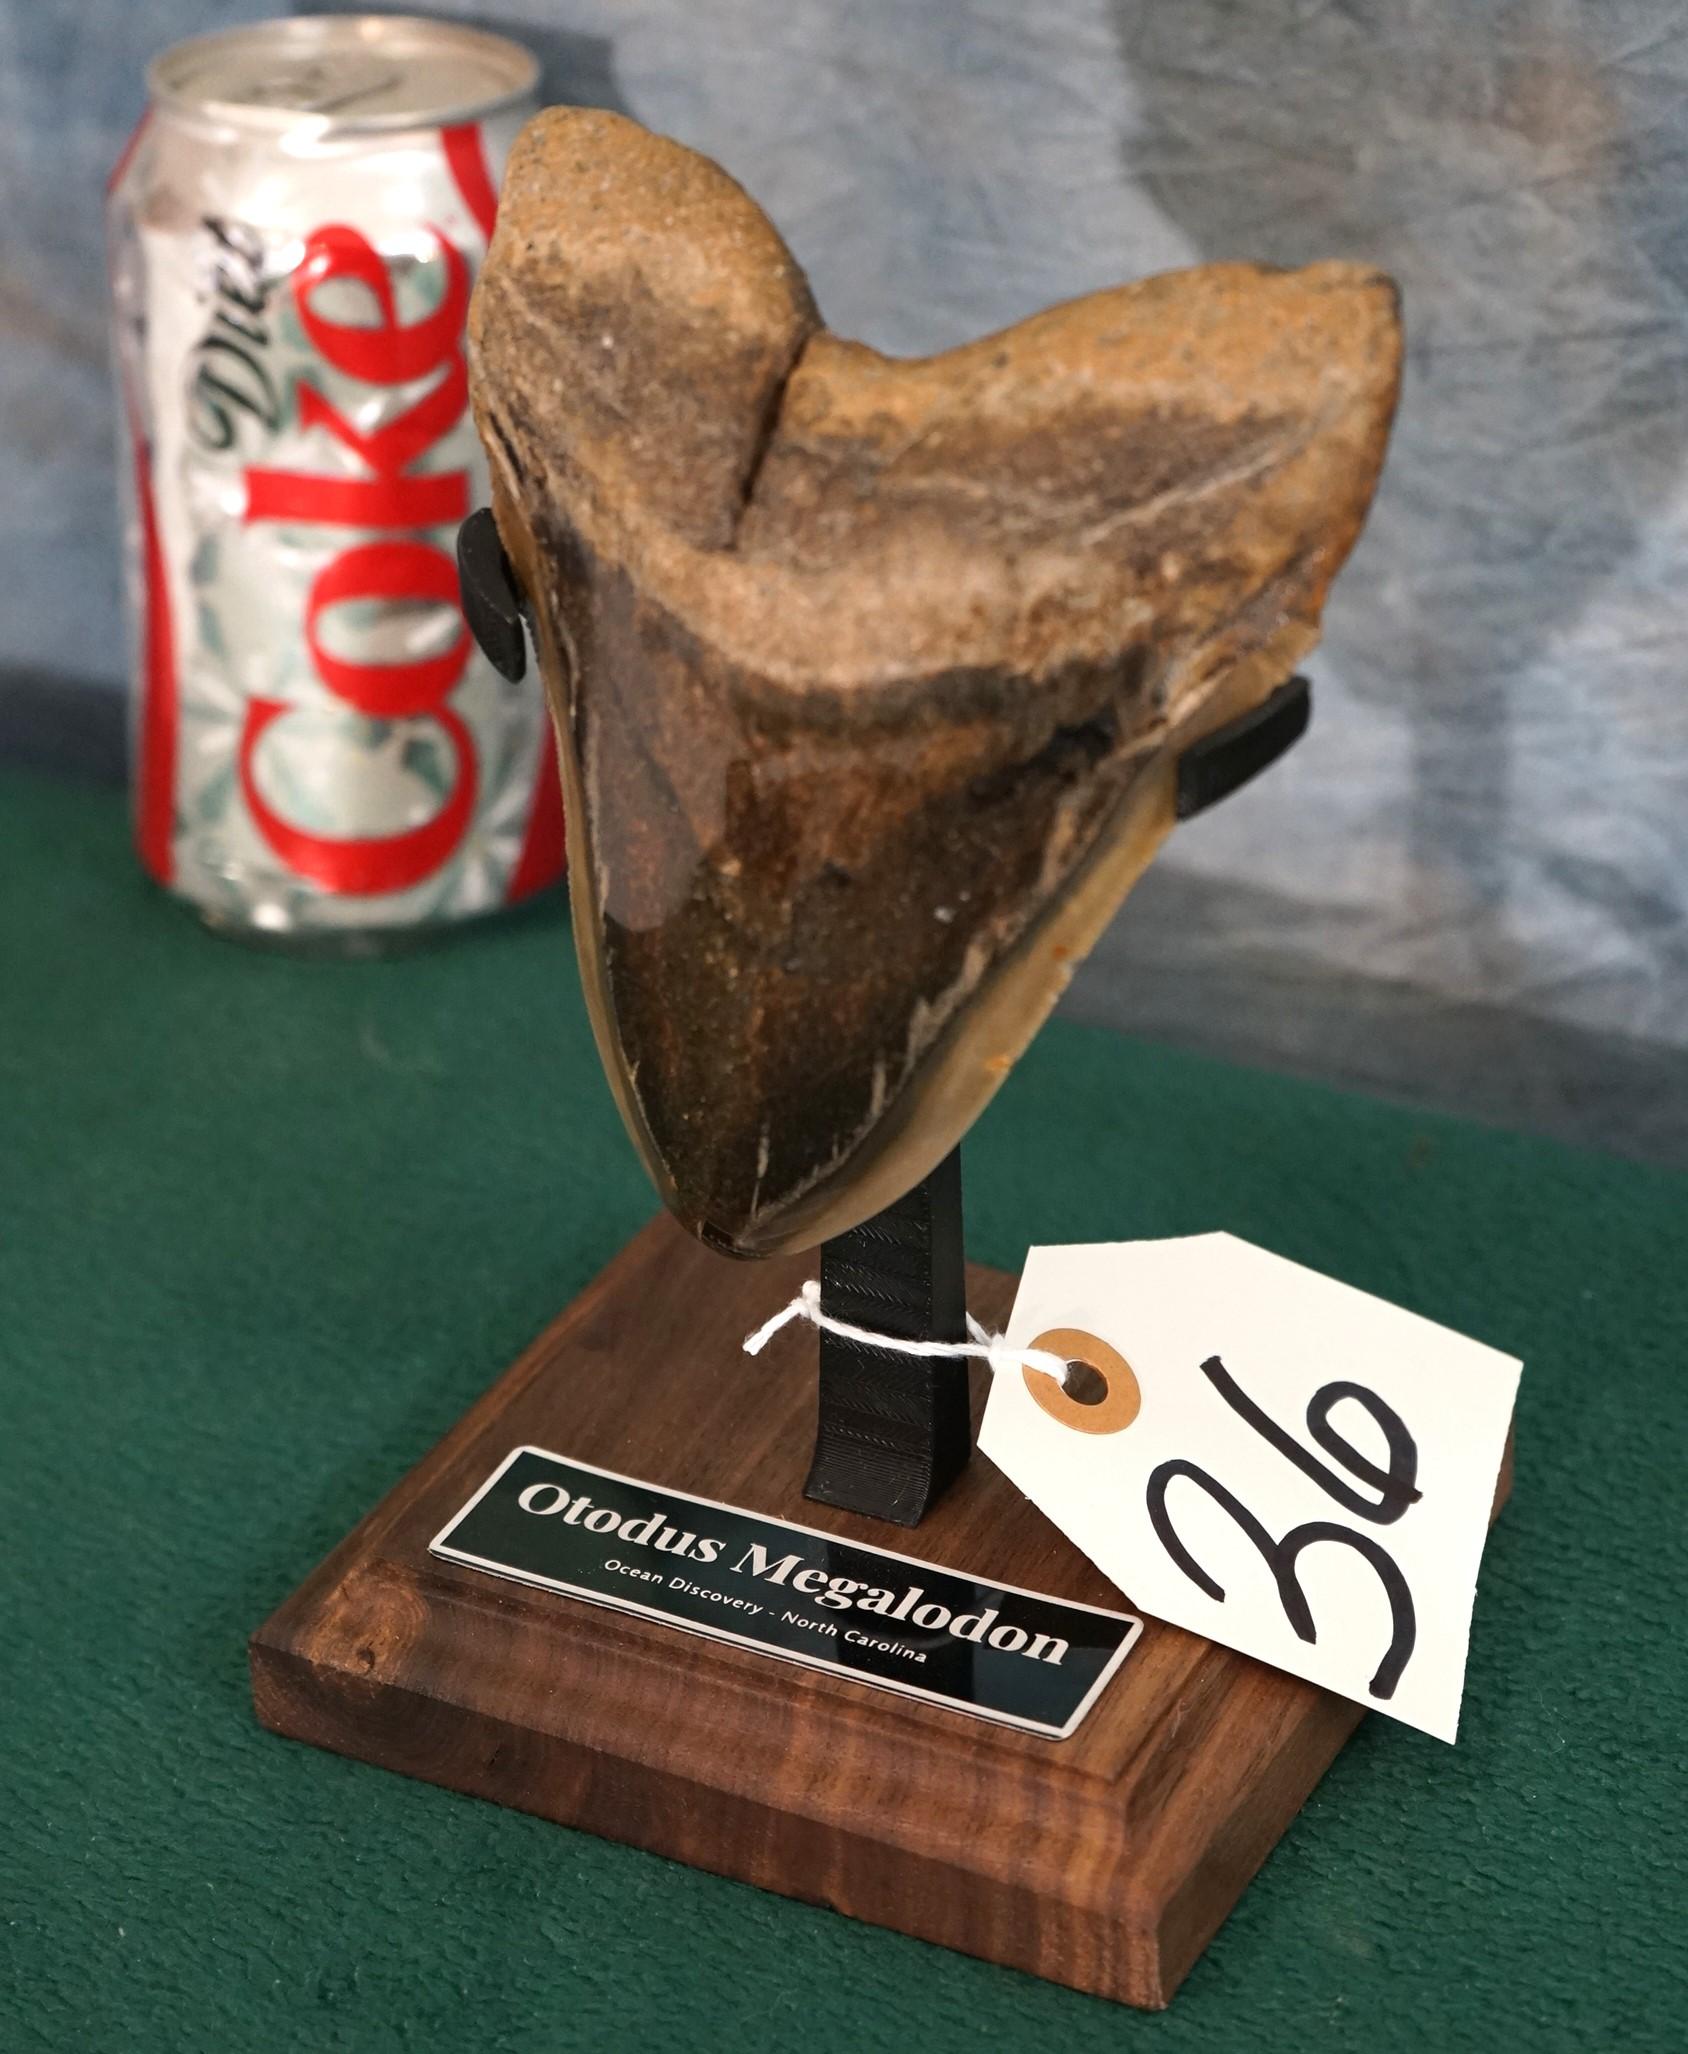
[[393, 352], [386, 353], [387, 570], [362, 864]]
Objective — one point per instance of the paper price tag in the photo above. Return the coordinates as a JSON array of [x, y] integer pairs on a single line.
[[1265, 1456]]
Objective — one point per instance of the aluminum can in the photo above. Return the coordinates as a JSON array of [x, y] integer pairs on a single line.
[[322, 756]]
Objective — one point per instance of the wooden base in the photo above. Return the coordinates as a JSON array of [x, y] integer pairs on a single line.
[[1105, 1861]]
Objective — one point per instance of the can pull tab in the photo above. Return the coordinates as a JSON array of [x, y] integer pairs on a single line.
[[492, 599]]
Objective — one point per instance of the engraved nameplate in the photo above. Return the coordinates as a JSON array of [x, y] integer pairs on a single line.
[[988, 1649]]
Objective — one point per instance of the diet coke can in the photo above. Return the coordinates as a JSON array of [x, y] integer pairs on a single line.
[[322, 756]]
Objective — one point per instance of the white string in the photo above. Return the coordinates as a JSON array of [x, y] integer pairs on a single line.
[[984, 1347]]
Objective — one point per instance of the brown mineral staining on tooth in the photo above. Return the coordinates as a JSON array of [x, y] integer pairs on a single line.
[[838, 644]]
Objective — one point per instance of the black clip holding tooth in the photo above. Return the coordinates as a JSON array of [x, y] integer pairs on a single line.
[[1226, 760], [492, 600]]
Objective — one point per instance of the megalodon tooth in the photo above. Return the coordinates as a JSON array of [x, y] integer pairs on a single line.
[[871, 676]]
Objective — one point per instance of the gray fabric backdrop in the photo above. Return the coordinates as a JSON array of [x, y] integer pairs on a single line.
[[1470, 883]]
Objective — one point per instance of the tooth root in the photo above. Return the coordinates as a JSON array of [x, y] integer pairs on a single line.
[[871, 676]]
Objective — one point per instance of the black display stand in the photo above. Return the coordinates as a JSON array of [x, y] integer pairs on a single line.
[[894, 1430]]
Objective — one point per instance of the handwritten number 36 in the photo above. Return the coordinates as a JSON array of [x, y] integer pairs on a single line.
[[1395, 1488]]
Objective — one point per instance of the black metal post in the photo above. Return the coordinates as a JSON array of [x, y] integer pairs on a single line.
[[895, 1430]]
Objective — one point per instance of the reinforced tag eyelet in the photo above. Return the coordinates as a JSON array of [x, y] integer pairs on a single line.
[[1121, 1398]]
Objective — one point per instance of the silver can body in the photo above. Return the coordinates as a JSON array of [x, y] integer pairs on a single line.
[[322, 756]]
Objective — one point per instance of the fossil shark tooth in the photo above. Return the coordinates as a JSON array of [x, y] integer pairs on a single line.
[[871, 676]]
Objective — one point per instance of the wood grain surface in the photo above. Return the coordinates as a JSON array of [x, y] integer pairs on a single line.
[[1105, 1861]]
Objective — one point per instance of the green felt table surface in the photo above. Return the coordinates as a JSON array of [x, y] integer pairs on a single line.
[[268, 1226]]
